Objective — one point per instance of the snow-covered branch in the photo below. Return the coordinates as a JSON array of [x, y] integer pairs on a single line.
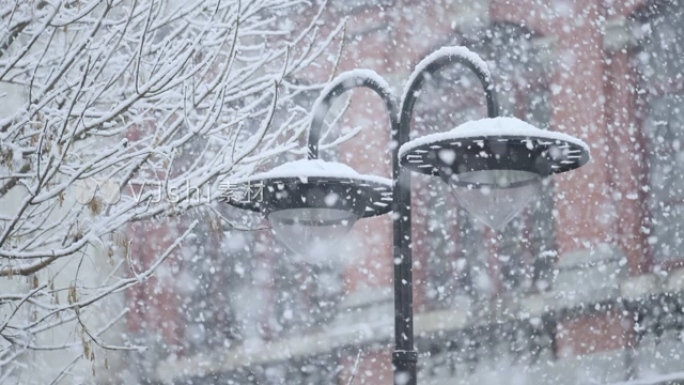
[[125, 112]]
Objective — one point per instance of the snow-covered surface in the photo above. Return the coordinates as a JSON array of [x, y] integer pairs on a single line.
[[312, 168], [655, 379], [501, 126], [349, 79], [457, 51]]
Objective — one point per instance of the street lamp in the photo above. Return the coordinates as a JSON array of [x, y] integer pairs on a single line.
[[494, 166], [312, 204]]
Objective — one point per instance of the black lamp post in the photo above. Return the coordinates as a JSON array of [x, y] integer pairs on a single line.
[[492, 165]]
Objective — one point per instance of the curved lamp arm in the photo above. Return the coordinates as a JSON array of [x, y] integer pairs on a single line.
[[341, 84], [435, 62]]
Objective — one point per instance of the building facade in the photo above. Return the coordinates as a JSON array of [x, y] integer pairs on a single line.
[[585, 287]]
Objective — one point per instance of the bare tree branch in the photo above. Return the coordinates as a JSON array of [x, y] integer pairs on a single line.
[[115, 113]]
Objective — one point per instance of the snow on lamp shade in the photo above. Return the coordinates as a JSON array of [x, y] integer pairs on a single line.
[[494, 196], [312, 233]]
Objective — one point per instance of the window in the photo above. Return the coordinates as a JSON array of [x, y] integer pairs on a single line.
[[660, 63], [220, 275], [238, 284], [526, 246], [468, 258], [304, 296]]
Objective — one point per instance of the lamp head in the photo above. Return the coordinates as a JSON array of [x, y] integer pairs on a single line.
[[312, 204], [494, 166]]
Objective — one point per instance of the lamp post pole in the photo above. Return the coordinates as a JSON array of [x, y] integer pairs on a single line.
[[404, 357]]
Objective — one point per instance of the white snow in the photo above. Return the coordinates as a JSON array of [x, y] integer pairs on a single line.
[[311, 168], [457, 51], [501, 126], [349, 78], [654, 379]]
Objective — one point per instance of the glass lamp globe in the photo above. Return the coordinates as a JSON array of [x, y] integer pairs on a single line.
[[312, 233], [494, 197]]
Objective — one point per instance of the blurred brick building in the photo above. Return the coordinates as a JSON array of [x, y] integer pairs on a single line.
[[584, 287]]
